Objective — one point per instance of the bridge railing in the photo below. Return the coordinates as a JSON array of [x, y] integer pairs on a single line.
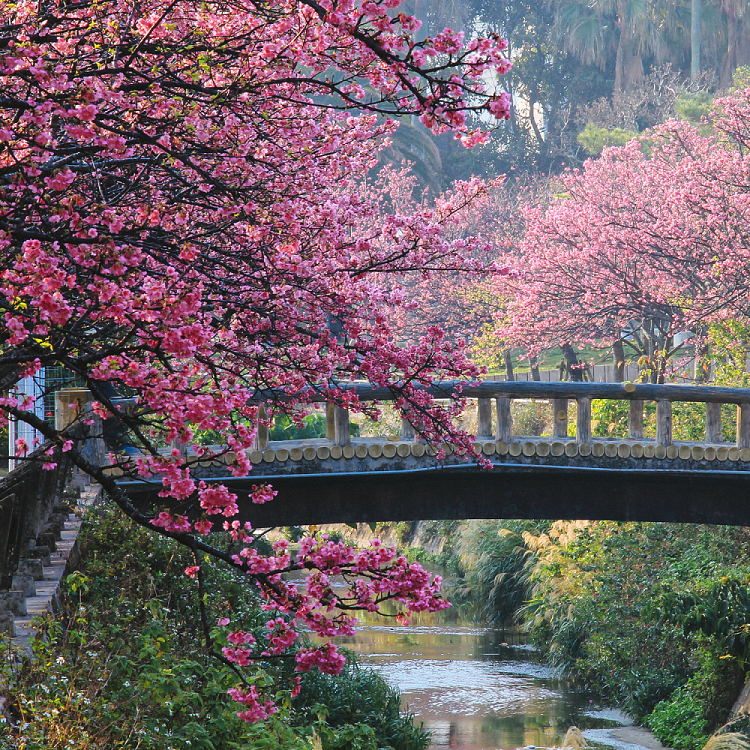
[[560, 394]]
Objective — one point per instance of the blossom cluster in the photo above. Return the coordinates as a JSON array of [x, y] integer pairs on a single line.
[[645, 243], [183, 223]]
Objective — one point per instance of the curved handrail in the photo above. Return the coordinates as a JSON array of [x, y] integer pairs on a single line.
[[528, 389]]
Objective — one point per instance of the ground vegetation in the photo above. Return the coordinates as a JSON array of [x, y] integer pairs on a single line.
[[125, 666]]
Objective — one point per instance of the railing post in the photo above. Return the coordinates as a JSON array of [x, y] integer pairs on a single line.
[[504, 419], [560, 417], [407, 429], [10, 539], [94, 449], [664, 423], [583, 420], [635, 420], [342, 434], [484, 418], [713, 423], [330, 421], [743, 425], [182, 448], [261, 439]]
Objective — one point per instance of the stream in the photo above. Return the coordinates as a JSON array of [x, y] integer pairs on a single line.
[[478, 688], [474, 689]]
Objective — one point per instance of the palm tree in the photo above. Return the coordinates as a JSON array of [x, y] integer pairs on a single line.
[[695, 39], [595, 31], [735, 17]]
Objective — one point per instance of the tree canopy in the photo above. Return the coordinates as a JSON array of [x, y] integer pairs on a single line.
[[183, 224], [642, 244]]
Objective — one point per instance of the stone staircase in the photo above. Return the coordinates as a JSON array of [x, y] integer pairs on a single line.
[[54, 553]]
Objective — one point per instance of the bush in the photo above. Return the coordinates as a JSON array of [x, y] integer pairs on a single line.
[[679, 722], [284, 427], [594, 139], [360, 696], [497, 564], [685, 720], [127, 665], [531, 418], [592, 609]]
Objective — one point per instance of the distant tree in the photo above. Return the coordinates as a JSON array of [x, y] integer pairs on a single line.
[[594, 139], [638, 247]]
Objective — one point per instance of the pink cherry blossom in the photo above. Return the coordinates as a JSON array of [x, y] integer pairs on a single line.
[[184, 225]]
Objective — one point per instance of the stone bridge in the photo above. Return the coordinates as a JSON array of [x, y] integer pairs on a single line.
[[349, 480]]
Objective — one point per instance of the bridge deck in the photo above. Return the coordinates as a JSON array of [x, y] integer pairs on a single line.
[[345, 479], [386, 480]]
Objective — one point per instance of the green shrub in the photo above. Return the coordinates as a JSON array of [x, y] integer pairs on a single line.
[[531, 418], [679, 722], [127, 665], [359, 696], [594, 139], [592, 609], [313, 426], [685, 720], [693, 107], [497, 564]]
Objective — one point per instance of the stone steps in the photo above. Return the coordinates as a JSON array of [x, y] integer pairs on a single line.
[[36, 586]]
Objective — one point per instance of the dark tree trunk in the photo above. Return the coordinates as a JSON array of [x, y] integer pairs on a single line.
[[509, 375], [702, 364], [695, 39], [570, 367], [628, 64], [534, 362]]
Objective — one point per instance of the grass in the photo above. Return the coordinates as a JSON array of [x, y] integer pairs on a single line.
[[550, 359]]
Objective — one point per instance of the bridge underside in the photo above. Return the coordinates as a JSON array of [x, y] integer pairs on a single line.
[[510, 489]]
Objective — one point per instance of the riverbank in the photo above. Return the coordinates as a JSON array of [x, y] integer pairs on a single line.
[[125, 663], [626, 738], [649, 617]]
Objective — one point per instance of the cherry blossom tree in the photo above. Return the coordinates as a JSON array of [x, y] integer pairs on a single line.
[[647, 242], [463, 301], [181, 221]]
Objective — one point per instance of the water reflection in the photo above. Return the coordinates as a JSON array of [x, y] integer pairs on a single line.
[[470, 688], [469, 691]]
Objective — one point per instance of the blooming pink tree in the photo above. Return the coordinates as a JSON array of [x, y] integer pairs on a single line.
[[180, 222], [644, 243]]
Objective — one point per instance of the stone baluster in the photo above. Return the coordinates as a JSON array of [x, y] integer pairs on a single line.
[[407, 429], [342, 435], [504, 419], [484, 418], [182, 448], [743, 425], [664, 423], [713, 423], [583, 420], [560, 417], [261, 439]]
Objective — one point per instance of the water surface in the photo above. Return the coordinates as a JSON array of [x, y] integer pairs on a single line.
[[470, 687]]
